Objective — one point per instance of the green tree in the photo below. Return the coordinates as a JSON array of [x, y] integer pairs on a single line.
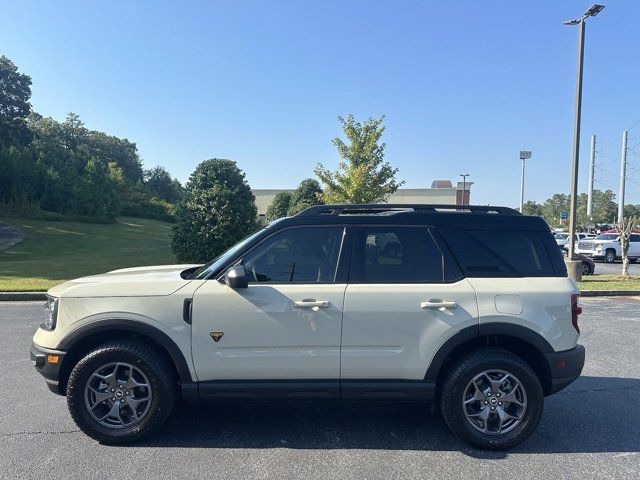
[[307, 194], [532, 208], [279, 207], [363, 176], [160, 184], [15, 92], [216, 210]]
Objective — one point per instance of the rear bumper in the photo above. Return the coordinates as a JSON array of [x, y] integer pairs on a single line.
[[48, 363], [565, 367]]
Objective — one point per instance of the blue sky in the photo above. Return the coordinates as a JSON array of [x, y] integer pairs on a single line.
[[464, 85]]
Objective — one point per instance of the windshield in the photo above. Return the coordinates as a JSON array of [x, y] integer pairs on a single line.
[[561, 236], [221, 259], [607, 236]]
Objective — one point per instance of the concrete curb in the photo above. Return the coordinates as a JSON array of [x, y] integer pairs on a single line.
[[36, 296], [22, 296], [610, 293]]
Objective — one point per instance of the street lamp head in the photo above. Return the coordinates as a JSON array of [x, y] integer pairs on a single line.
[[593, 10]]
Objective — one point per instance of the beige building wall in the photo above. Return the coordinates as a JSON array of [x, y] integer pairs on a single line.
[[448, 195]]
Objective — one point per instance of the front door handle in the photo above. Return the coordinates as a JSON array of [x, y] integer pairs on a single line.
[[311, 303], [438, 304]]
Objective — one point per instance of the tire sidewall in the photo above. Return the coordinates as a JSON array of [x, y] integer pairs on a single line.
[[82, 373], [535, 401]]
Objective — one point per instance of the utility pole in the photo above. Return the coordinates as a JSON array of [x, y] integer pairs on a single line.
[[623, 174], [590, 190], [524, 155]]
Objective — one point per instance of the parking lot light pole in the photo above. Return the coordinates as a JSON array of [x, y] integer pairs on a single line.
[[524, 155], [592, 11], [464, 187]]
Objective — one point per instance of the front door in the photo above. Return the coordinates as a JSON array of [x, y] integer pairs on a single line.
[[286, 324]]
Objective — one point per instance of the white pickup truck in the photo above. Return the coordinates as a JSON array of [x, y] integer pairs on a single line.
[[606, 247]]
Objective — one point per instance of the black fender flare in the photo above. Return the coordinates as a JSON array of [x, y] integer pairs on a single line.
[[476, 331], [71, 339]]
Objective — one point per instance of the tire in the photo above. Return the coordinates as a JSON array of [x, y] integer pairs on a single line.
[[585, 269], [90, 382], [456, 386], [610, 256]]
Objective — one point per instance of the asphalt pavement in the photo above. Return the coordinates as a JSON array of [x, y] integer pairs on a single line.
[[589, 430], [616, 268]]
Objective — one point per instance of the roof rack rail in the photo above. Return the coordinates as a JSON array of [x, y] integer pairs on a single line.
[[390, 208]]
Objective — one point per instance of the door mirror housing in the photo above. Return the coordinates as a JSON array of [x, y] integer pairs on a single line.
[[236, 277]]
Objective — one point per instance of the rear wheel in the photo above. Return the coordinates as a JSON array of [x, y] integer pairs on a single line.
[[121, 391], [585, 269], [491, 399], [610, 256]]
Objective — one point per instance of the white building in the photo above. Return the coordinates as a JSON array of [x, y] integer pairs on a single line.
[[442, 192]]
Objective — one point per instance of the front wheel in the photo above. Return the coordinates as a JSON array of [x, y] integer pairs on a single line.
[[491, 399], [585, 269], [121, 391], [610, 256]]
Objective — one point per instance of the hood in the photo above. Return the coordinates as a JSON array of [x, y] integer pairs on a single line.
[[126, 282]]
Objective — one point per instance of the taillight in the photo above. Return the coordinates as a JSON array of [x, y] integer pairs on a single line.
[[575, 311]]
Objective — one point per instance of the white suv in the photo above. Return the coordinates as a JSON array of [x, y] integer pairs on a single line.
[[468, 306], [607, 247]]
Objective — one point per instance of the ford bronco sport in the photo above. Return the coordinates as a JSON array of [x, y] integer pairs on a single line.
[[469, 307]]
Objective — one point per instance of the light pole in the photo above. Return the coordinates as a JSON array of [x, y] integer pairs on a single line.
[[464, 187], [524, 155], [592, 11]]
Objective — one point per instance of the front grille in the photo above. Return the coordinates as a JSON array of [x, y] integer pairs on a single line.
[[586, 245]]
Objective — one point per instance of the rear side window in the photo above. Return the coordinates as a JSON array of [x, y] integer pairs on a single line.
[[396, 255], [499, 253]]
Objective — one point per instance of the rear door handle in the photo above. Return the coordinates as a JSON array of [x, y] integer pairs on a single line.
[[310, 303], [438, 304]]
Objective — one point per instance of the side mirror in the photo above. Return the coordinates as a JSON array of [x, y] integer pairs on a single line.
[[236, 277]]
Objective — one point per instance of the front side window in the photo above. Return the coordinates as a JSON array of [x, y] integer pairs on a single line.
[[398, 255], [296, 255]]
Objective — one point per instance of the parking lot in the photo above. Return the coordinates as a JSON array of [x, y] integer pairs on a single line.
[[590, 430], [615, 268]]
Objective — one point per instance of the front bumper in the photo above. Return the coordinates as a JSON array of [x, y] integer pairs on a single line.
[[565, 367], [48, 363]]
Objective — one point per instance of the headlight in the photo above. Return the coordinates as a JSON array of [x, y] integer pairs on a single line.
[[598, 248], [50, 313]]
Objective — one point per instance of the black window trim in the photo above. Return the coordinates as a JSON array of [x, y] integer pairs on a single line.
[[342, 267], [357, 273]]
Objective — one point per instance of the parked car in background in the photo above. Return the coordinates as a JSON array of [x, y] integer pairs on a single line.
[[588, 265], [606, 247], [562, 238]]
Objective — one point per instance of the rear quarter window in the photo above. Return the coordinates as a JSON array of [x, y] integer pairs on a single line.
[[499, 253]]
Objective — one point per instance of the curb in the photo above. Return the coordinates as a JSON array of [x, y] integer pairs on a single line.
[[610, 293], [22, 296]]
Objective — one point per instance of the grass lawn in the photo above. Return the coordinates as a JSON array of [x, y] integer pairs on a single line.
[[53, 252], [608, 282]]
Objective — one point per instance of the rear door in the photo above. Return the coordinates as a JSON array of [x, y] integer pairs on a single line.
[[634, 245], [404, 299]]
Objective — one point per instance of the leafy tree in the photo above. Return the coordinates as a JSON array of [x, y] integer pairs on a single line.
[[363, 176], [279, 207], [15, 92], [307, 194], [632, 210], [160, 184], [217, 209], [532, 208]]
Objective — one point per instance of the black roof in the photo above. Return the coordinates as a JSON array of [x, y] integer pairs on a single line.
[[464, 216]]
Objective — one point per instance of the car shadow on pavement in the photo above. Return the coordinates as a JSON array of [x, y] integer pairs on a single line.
[[594, 414]]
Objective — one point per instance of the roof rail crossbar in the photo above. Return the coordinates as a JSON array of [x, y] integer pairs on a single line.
[[373, 209]]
